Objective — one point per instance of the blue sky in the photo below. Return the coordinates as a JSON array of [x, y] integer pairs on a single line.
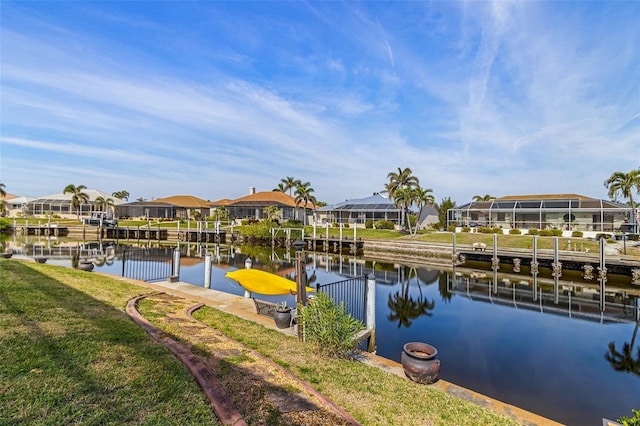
[[211, 98]]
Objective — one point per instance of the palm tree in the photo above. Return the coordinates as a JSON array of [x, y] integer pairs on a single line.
[[121, 195], [485, 197], [289, 183], [624, 184], [3, 194], [280, 188], [304, 194], [403, 198], [402, 179], [77, 197], [104, 205], [422, 197]]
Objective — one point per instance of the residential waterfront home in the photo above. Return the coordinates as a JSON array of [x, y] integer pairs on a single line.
[[356, 212], [173, 207], [253, 206], [567, 212], [60, 204]]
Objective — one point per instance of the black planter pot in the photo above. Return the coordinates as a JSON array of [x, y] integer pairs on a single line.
[[419, 362], [282, 318]]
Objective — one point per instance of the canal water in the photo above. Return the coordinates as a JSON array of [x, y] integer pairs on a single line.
[[555, 354]]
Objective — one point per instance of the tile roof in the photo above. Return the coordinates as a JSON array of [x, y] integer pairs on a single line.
[[8, 196], [546, 197], [265, 197], [188, 201]]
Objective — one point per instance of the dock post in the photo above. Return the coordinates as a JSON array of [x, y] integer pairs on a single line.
[[175, 270], [495, 263], [602, 274], [207, 270], [557, 271], [534, 266], [370, 300]]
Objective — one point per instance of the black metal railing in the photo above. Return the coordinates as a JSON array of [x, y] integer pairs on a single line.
[[147, 264], [351, 292]]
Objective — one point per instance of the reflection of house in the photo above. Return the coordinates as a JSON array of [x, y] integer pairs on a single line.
[[60, 204], [174, 207], [555, 211], [358, 211], [253, 206]]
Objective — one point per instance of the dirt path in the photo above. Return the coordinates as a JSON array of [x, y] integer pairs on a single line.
[[251, 388]]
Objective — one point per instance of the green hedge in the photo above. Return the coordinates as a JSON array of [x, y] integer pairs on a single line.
[[384, 224], [515, 232], [577, 234], [368, 224]]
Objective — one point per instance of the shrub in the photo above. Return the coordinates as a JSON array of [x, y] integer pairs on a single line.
[[556, 232], [4, 224], [292, 223], [451, 228], [496, 231], [368, 224], [466, 229], [545, 233], [515, 232], [345, 225], [533, 231], [335, 225], [601, 235], [577, 234], [631, 421], [633, 237], [383, 224], [329, 327]]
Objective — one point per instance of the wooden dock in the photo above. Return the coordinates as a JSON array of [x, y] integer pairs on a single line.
[[334, 245]]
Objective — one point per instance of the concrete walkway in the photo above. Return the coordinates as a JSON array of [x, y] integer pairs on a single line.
[[245, 308]]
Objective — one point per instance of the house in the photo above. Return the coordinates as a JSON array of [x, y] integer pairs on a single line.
[[568, 212], [252, 206], [12, 206], [173, 207], [357, 211], [60, 204]]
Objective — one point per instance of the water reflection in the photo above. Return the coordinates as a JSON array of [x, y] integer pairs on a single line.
[[549, 348], [624, 360], [403, 307]]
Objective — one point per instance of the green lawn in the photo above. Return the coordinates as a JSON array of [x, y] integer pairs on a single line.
[[70, 354]]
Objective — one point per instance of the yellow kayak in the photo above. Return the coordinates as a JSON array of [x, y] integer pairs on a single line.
[[261, 282]]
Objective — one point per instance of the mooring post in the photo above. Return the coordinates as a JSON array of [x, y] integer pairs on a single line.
[[207, 270], [495, 263], [175, 273], [370, 300], [453, 243], [557, 271], [602, 274], [534, 266]]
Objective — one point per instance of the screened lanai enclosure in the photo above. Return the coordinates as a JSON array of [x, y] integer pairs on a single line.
[[60, 204], [565, 212], [358, 211]]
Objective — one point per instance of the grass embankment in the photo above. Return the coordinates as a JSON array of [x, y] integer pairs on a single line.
[[70, 354], [372, 396]]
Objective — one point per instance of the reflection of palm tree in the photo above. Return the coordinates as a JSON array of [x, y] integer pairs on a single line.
[[405, 308], [624, 361], [443, 278]]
